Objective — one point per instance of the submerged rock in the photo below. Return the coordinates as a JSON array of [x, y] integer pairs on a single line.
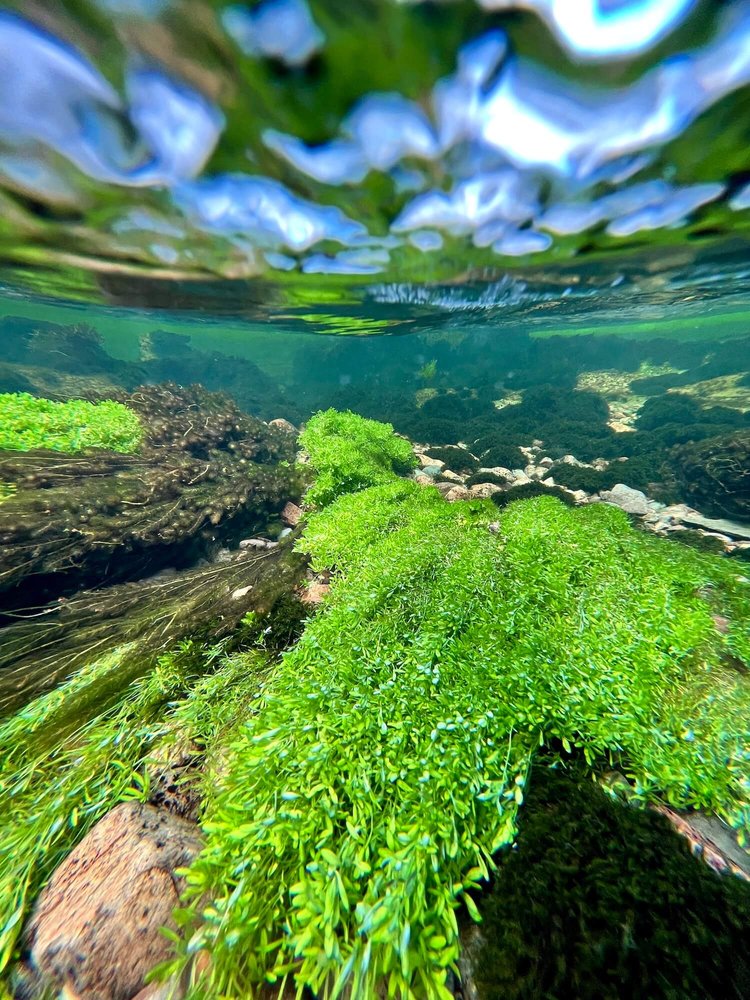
[[96, 929], [627, 499]]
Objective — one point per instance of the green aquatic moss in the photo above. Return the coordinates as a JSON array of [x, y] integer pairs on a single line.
[[28, 422], [349, 452], [388, 756], [601, 901], [6, 491]]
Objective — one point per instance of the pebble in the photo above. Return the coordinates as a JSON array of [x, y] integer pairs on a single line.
[[500, 472], [291, 514]]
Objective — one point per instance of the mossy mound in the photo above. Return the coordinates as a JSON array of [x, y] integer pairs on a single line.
[[714, 474], [456, 459], [389, 757], [600, 901], [28, 422], [351, 453]]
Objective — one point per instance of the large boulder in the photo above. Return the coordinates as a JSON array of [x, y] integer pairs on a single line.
[[95, 932]]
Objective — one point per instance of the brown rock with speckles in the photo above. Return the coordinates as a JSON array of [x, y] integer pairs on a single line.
[[95, 931]]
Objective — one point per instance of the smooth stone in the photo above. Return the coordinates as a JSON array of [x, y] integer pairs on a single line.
[[521, 479], [425, 460], [452, 476], [546, 462], [721, 525], [627, 499], [432, 470], [501, 472], [549, 481]]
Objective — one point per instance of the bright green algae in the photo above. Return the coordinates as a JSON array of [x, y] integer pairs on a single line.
[[356, 792], [390, 751], [28, 422]]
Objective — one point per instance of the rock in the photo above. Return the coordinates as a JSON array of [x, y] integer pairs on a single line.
[[580, 496], [484, 490], [549, 481], [432, 470], [537, 443], [457, 493], [257, 543], [534, 473], [445, 488], [222, 556], [291, 514], [627, 499], [721, 525], [241, 592], [572, 460], [284, 532], [545, 462], [500, 472], [520, 478], [314, 592], [423, 480], [452, 476], [425, 460], [600, 464], [493, 527], [283, 425], [95, 930]]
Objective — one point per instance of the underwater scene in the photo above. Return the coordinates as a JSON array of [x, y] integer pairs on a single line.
[[375, 500]]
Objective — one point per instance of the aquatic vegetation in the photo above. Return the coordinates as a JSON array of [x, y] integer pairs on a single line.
[[6, 490], [203, 471], [27, 423], [349, 452], [53, 789], [715, 474], [428, 371], [456, 459], [364, 800], [585, 906], [112, 635]]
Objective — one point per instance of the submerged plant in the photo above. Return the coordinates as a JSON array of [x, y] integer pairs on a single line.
[[28, 422], [350, 453], [56, 783], [388, 756]]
